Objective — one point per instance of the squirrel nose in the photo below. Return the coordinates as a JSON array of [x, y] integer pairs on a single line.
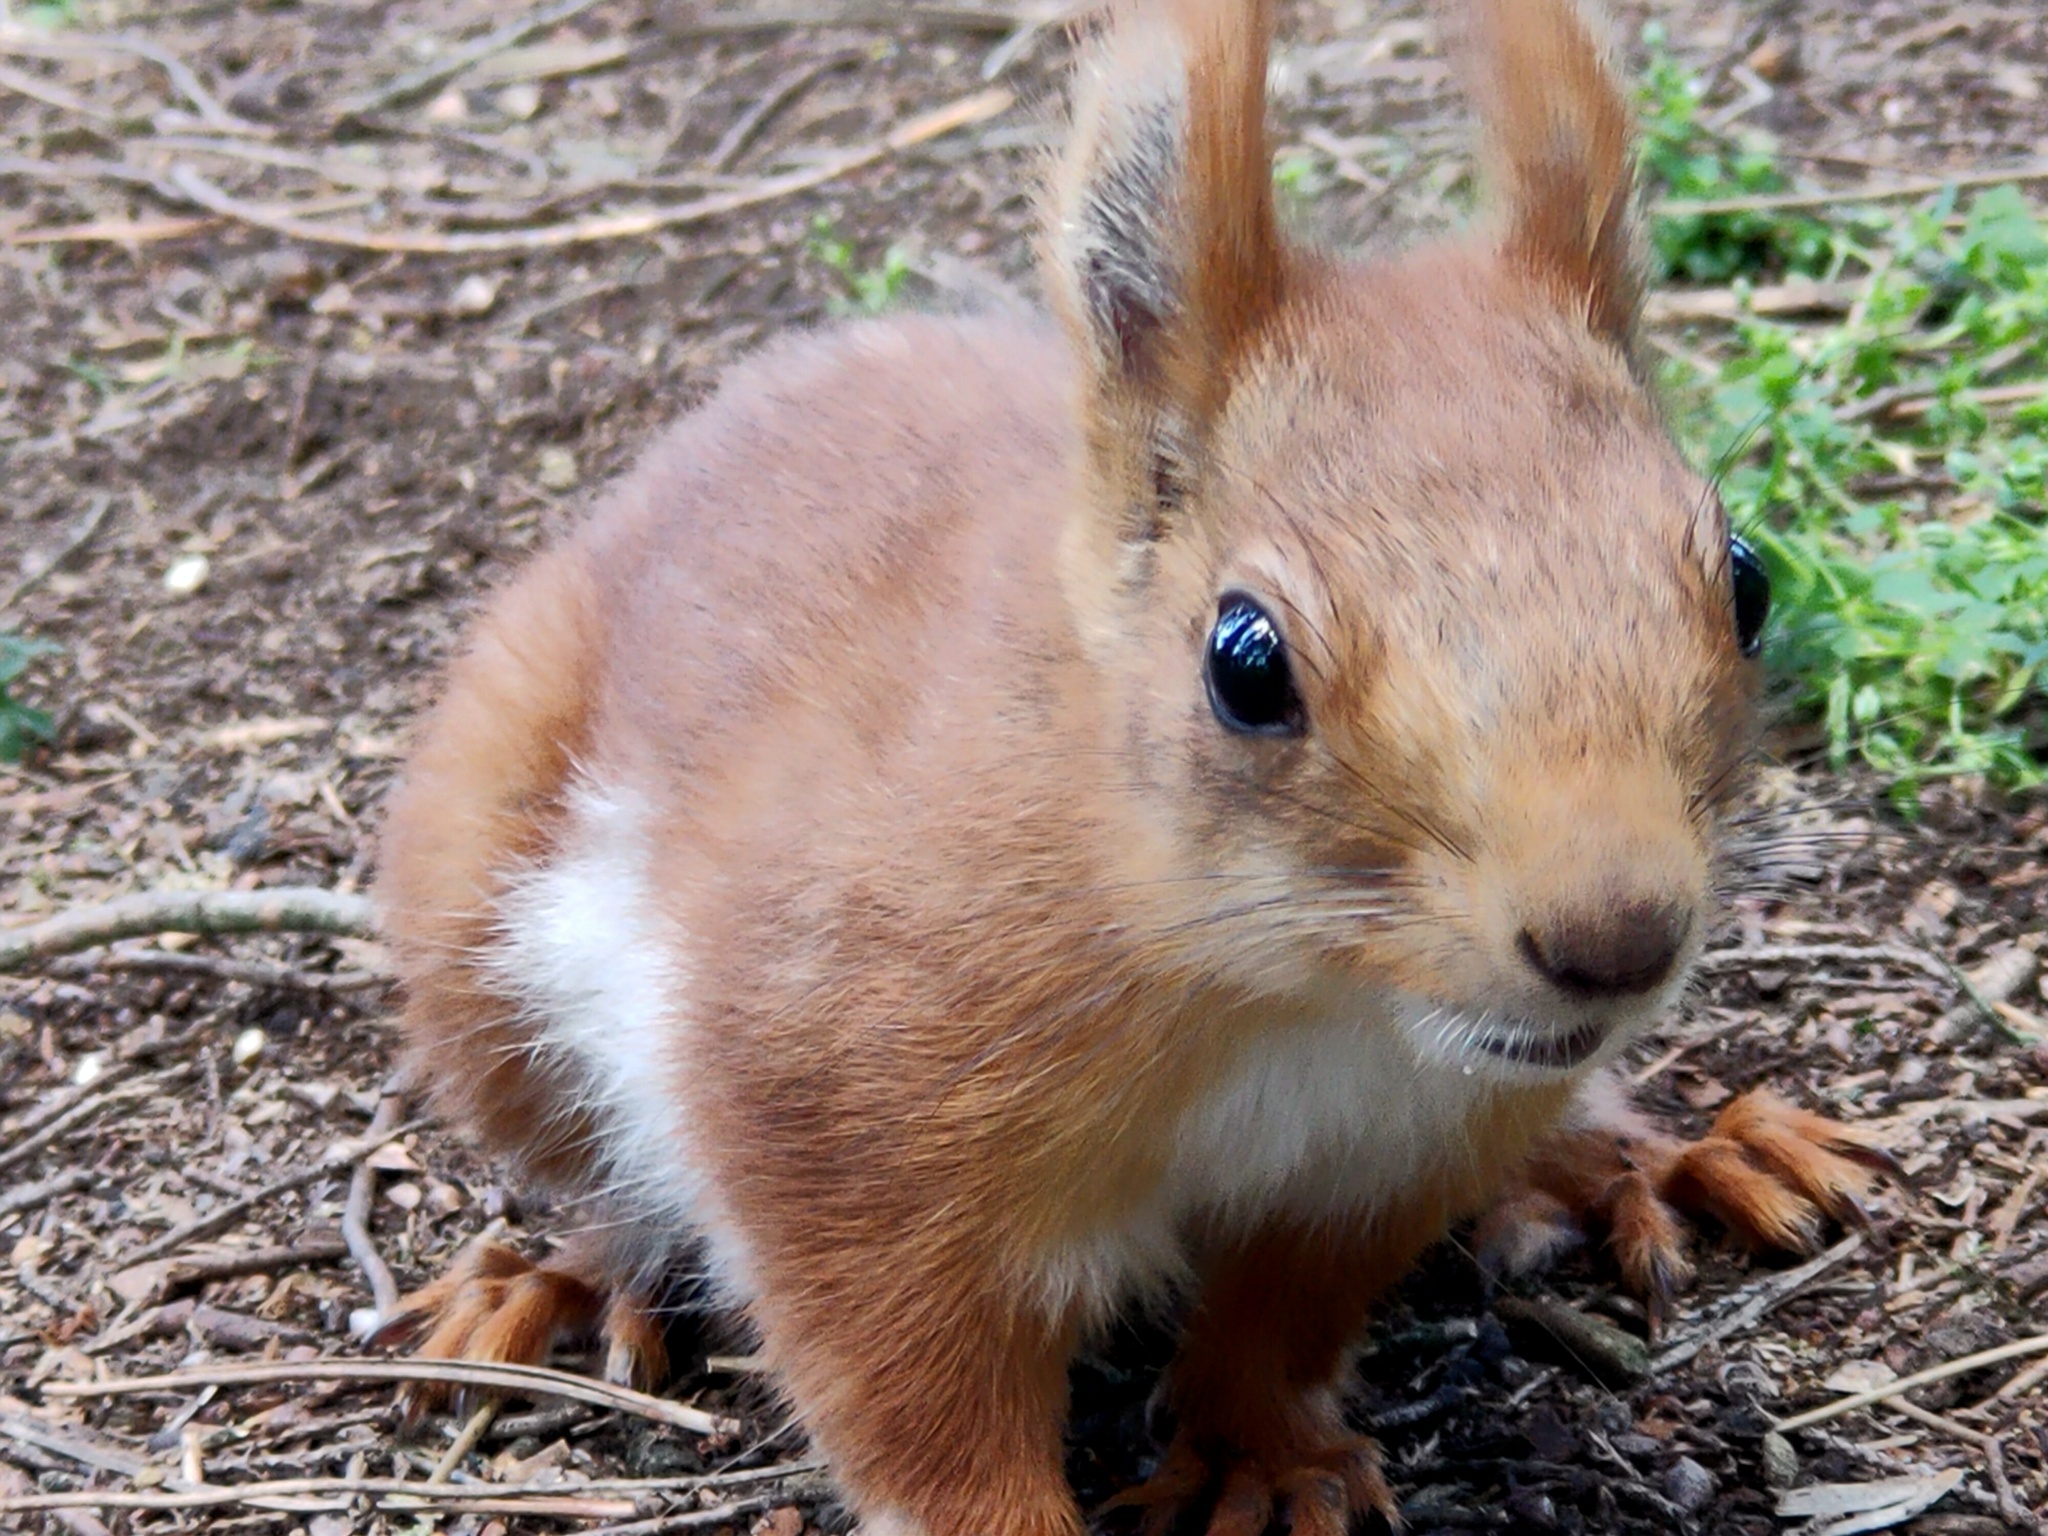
[[1620, 949]]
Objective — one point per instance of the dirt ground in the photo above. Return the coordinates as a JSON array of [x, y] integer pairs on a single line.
[[294, 366]]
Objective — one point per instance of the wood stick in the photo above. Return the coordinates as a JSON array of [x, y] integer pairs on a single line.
[[2036, 1345], [504, 1378], [1994, 1455], [627, 224], [280, 909], [25, 1196], [1768, 1295], [355, 1221], [188, 84], [1923, 186], [417, 82]]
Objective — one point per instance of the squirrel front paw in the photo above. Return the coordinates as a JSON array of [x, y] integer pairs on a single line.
[[1317, 1481], [496, 1305], [1769, 1172]]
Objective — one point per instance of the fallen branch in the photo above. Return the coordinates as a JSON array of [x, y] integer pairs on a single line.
[[691, 1520], [598, 1498], [110, 232], [1994, 1456], [624, 225], [226, 1216], [1852, 954], [525, 1379], [1803, 296], [1765, 1297], [188, 84], [79, 536], [1923, 186], [281, 909], [465, 1442], [417, 82], [185, 1274], [83, 1109], [306, 1495], [355, 1221], [2036, 1345], [27, 1196], [254, 973]]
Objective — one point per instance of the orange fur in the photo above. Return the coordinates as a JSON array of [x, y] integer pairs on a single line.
[[495, 1305], [1766, 1171], [832, 845]]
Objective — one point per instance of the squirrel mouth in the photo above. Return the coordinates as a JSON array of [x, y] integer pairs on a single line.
[[1539, 1048]]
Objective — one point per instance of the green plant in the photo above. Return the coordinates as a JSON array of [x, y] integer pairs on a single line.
[[1891, 465], [1298, 176], [1687, 162], [868, 290], [1894, 481], [19, 724], [49, 15]]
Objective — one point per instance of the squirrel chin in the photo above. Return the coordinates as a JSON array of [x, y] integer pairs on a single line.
[[1517, 1049]]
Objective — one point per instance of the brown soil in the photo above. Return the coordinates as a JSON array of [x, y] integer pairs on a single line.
[[359, 443]]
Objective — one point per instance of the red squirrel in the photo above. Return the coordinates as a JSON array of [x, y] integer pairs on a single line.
[[1188, 795]]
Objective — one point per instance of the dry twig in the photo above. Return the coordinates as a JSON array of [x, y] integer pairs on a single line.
[[305, 1495], [281, 909], [355, 1221], [187, 1273], [627, 224], [1924, 186], [25, 1197], [253, 973], [417, 82], [534, 1379], [83, 1109], [2017, 1348], [1762, 1298], [229, 1214], [188, 85], [1994, 1455], [464, 1443], [1836, 954]]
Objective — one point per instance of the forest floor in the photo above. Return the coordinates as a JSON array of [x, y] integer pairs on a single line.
[[317, 318]]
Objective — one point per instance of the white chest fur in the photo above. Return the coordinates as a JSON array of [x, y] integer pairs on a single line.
[[1340, 1117], [582, 946]]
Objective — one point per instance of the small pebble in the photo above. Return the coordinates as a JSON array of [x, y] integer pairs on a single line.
[[474, 295], [519, 102], [187, 574], [558, 469], [1689, 1485], [248, 1046], [1781, 1462]]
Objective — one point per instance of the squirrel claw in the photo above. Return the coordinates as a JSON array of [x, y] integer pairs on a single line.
[[1767, 1171], [1320, 1494], [495, 1305]]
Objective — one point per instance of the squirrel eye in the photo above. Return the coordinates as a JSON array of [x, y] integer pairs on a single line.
[[1752, 585], [1251, 686]]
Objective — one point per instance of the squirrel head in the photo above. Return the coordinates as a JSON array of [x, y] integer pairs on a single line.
[[1421, 634]]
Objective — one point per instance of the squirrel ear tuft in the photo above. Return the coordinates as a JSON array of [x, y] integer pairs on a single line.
[[1161, 241], [1560, 152]]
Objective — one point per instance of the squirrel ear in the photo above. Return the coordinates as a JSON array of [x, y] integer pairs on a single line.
[[1560, 152], [1161, 243]]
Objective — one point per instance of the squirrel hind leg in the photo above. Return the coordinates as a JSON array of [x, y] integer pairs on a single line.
[[496, 1306]]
